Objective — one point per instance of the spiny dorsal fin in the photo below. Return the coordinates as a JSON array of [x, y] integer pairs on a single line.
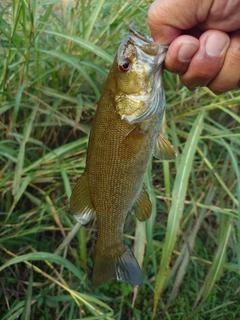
[[163, 149], [80, 202], [142, 208]]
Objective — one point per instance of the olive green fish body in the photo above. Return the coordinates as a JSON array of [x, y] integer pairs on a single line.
[[122, 141], [116, 163]]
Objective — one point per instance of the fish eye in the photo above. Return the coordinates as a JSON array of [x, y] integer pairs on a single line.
[[124, 66]]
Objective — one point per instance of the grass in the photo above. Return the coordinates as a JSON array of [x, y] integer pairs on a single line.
[[54, 60]]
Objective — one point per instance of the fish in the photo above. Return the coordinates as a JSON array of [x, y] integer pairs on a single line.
[[124, 135]]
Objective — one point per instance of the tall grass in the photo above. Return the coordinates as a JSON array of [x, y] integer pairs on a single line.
[[54, 60]]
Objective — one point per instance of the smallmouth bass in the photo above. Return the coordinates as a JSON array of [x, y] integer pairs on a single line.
[[124, 135]]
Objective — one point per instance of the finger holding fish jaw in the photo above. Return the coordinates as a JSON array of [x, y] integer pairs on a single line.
[[213, 60]]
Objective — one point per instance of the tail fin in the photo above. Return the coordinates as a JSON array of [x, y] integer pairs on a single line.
[[124, 267]]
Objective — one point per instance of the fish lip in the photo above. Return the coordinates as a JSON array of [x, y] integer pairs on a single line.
[[145, 37], [146, 43], [164, 47], [139, 34]]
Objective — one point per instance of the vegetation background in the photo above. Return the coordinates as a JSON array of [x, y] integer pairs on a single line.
[[55, 57]]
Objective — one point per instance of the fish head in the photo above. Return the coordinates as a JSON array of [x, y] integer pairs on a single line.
[[138, 70]]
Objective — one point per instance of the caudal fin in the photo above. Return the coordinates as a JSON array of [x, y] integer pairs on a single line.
[[124, 267]]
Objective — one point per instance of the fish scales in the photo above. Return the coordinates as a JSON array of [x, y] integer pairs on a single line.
[[124, 135]]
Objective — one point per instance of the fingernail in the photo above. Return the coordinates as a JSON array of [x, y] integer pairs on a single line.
[[215, 44], [187, 51]]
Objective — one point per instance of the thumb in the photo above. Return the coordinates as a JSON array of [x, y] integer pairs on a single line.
[[167, 18]]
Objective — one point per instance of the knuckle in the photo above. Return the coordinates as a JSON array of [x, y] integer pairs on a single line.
[[222, 84]]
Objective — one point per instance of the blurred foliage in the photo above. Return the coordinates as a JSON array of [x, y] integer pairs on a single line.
[[54, 58]]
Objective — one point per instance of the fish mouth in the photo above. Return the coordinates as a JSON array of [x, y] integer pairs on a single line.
[[139, 34], [145, 43]]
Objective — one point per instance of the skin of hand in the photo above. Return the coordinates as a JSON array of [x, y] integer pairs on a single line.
[[204, 38]]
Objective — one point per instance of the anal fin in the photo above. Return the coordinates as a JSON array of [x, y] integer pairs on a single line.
[[142, 207], [163, 149], [80, 201]]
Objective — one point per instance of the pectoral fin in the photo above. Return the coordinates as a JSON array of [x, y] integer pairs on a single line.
[[163, 149], [80, 201], [132, 143], [143, 207]]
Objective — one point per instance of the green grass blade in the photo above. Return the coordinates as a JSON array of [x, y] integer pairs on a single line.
[[14, 312], [26, 315], [85, 44], [235, 165], [91, 301], [21, 190], [72, 60], [39, 256], [40, 163], [219, 178], [56, 153], [93, 17], [175, 214], [232, 114], [21, 155], [216, 269], [17, 102], [150, 252], [49, 2], [181, 264], [83, 247], [83, 18], [66, 183]]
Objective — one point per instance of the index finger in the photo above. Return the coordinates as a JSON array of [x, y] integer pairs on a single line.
[[167, 18]]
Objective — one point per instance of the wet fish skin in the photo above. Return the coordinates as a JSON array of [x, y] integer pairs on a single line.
[[125, 129]]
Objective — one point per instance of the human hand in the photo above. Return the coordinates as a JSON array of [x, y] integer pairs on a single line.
[[204, 38]]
